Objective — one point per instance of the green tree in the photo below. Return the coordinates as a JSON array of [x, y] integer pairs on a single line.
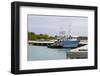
[[45, 36], [31, 36]]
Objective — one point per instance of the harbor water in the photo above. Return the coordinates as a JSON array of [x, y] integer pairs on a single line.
[[45, 53]]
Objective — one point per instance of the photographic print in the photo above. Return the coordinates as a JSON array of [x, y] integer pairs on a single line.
[[52, 37], [57, 37]]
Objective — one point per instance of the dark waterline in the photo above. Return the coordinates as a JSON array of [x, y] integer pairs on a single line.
[[45, 53]]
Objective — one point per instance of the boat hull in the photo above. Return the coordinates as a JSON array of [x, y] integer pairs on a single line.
[[70, 44], [65, 44]]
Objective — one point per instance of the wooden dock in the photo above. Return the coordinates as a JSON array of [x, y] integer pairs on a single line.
[[41, 43]]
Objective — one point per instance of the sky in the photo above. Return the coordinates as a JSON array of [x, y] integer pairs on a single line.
[[52, 25]]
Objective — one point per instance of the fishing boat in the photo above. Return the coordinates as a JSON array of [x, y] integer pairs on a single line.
[[69, 43], [65, 41]]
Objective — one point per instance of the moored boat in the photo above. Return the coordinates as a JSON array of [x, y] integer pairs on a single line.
[[69, 43], [65, 41]]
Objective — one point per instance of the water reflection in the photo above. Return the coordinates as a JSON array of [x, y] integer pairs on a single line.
[[45, 53]]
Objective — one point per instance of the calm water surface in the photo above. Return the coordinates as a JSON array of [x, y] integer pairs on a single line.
[[45, 53]]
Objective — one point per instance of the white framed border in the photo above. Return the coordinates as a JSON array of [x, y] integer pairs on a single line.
[[24, 64]]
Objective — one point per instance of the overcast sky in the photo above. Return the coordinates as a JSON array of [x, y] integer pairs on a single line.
[[52, 25]]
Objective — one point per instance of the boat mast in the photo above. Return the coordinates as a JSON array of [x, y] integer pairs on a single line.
[[62, 33], [69, 31]]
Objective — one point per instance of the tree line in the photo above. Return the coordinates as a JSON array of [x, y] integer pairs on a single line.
[[33, 36], [82, 38]]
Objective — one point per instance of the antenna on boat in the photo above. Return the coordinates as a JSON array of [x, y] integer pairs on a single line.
[[62, 33], [69, 30]]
